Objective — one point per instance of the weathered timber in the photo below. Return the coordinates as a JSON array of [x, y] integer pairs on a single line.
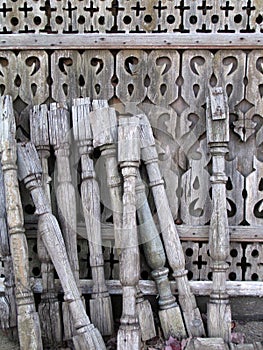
[[105, 138], [85, 334], [129, 335], [219, 344], [48, 309], [173, 248], [218, 309], [27, 319], [206, 344], [145, 316], [134, 41], [59, 131], [147, 287], [169, 314], [8, 302], [100, 303]]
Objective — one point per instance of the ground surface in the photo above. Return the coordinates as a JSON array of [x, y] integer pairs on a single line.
[[252, 330]]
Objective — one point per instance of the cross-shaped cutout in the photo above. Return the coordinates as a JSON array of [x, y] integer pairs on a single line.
[[160, 8], [138, 8], [227, 8], [204, 7], [200, 263], [91, 9], [25, 9], [70, 9]]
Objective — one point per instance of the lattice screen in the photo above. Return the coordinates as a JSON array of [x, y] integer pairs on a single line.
[[170, 87], [120, 16]]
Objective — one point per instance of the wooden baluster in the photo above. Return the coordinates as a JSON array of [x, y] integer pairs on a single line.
[[49, 305], [8, 301], [100, 304], [128, 156], [106, 140], [173, 248], [218, 310], [27, 318], [59, 131], [169, 314], [86, 336]]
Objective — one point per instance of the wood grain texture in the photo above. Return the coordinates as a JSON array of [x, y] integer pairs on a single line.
[[129, 337], [199, 288], [27, 319], [8, 301], [30, 172], [48, 309], [100, 304], [136, 41], [169, 314], [218, 310], [106, 140], [170, 235]]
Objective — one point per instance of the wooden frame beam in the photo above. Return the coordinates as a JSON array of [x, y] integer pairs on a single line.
[[132, 41], [249, 234], [199, 288]]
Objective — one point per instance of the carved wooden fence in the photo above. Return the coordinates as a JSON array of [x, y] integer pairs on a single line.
[[159, 58], [170, 86]]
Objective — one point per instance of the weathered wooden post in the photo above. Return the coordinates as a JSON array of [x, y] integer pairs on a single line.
[[100, 303], [48, 309], [129, 335], [105, 138], [8, 301], [218, 310], [173, 248], [169, 314], [27, 318], [85, 336], [59, 131]]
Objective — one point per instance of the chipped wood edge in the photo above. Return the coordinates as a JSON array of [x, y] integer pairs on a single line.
[[132, 41]]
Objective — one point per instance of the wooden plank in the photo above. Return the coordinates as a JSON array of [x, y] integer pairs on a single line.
[[186, 233], [126, 41], [199, 288]]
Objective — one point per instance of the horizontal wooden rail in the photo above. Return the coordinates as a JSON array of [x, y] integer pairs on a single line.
[[199, 288], [240, 234], [132, 41]]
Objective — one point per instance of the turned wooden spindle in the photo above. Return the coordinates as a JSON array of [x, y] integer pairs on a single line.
[[129, 335], [27, 318], [169, 314], [59, 131], [49, 305], [7, 302], [218, 309], [173, 248], [105, 138], [86, 336], [100, 303]]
